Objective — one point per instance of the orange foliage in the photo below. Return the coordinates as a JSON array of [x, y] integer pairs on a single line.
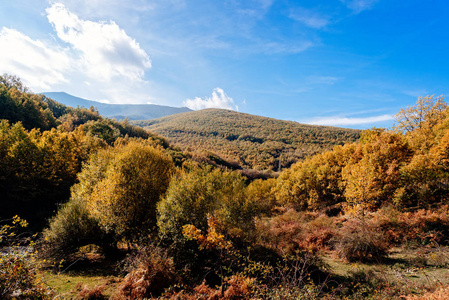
[[212, 240]]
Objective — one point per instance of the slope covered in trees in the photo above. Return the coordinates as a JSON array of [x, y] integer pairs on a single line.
[[42, 147], [251, 142]]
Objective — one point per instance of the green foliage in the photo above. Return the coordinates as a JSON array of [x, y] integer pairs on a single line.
[[18, 105], [203, 191], [251, 142], [262, 194], [70, 229], [43, 145]]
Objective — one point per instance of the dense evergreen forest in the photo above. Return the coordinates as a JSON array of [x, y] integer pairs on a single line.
[[136, 218], [247, 141]]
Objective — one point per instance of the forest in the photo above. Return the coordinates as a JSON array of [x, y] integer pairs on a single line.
[[93, 208], [244, 141]]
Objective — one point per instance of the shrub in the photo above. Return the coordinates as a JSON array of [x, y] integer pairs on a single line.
[[294, 231], [360, 240], [439, 294], [421, 226], [203, 191], [150, 273], [95, 293], [18, 278], [69, 230]]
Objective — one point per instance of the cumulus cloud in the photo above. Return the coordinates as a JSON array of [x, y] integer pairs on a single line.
[[218, 99], [343, 121], [104, 49], [309, 18], [39, 65]]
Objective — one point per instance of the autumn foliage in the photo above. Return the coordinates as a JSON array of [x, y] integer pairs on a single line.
[[216, 232]]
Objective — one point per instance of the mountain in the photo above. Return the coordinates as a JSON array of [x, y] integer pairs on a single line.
[[118, 111], [247, 141]]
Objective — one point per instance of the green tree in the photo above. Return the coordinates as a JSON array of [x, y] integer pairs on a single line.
[[203, 191]]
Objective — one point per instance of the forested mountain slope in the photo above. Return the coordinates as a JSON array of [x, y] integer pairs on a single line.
[[250, 141], [43, 145]]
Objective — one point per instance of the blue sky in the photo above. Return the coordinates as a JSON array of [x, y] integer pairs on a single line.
[[347, 63]]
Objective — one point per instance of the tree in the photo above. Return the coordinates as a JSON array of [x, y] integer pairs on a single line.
[[423, 122], [203, 191], [375, 177], [121, 186], [427, 112], [316, 182]]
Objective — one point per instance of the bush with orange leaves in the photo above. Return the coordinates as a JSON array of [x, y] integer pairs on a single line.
[[293, 231], [234, 287], [423, 226], [440, 294]]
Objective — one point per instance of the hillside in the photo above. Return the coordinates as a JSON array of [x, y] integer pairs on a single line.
[[118, 111], [250, 141]]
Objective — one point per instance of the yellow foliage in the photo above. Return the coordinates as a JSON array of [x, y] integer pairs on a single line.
[[212, 240]]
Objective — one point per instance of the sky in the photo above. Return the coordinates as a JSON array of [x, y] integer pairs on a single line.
[[345, 63]]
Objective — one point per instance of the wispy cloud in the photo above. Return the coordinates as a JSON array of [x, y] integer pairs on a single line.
[[284, 47], [415, 93], [321, 80], [218, 99], [39, 65], [105, 49], [309, 17], [358, 6], [348, 121]]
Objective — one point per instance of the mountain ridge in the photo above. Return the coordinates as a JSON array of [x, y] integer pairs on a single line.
[[118, 111]]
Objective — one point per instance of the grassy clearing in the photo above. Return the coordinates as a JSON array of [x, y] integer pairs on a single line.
[[68, 286], [406, 271]]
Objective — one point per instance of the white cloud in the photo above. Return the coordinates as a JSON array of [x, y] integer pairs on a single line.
[[218, 99], [358, 6], [105, 50], [309, 18], [39, 65], [344, 121]]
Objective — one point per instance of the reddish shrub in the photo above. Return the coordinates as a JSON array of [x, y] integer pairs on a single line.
[[154, 273], [294, 231], [421, 226], [361, 240], [95, 293]]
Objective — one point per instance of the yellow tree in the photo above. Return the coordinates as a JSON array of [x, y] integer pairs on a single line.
[[423, 121], [374, 179], [121, 187]]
